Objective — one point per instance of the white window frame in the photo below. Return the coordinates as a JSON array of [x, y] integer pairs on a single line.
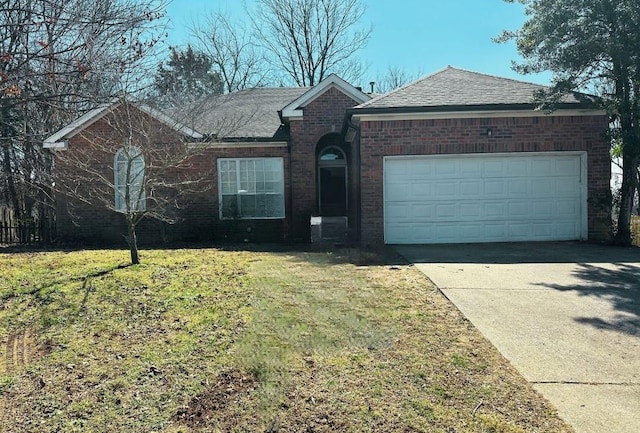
[[129, 158], [242, 192]]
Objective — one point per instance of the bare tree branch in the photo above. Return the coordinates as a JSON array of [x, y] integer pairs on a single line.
[[159, 176], [308, 39], [233, 53]]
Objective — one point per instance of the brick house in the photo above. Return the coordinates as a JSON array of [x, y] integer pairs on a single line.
[[456, 156]]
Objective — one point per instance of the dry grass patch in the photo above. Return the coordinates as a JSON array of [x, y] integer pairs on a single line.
[[217, 341]]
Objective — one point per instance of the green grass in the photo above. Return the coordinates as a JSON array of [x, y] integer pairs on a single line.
[[208, 340]]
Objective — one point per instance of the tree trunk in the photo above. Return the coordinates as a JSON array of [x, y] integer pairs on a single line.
[[628, 189], [133, 242], [8, 161]]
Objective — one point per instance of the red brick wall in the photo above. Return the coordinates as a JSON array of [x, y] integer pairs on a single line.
[[78, 221], [452, 136], [322, 116], [86, 167]]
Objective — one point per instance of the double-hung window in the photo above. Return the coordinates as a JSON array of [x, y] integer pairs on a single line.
[[251, 188], [128, 173]]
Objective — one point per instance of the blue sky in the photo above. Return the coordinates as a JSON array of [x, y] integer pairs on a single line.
[[420, 36]]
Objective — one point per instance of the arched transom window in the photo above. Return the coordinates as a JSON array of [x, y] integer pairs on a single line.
[[332, 154]]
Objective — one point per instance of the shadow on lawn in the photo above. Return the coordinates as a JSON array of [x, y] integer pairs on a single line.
[[38, 289], [620, 287], [26, 323], [384, 255]]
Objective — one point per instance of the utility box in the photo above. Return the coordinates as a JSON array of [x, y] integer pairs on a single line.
[[329, 230]]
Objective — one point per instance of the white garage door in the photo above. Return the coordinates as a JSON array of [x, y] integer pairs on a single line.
[[485, 198]]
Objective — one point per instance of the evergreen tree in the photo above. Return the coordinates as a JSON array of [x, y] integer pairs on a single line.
[[591, 45], [187, 75]]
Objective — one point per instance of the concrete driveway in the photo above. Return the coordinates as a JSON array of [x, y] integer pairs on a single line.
[[566, 315]]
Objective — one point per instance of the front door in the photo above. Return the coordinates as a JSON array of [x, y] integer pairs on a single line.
[[332, 182]]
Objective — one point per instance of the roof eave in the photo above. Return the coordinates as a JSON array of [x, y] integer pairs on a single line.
[[63, 135], [462, 108]]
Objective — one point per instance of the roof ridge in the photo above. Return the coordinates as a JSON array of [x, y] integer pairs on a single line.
[[497, 77], [398, 89], [447, 68]]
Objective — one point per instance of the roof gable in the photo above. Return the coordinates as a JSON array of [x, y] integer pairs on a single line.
[[59, 139], [295, 108], [452, 87]]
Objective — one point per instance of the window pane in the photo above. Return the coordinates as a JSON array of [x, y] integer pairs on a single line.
[[274, 205], [259, 193], [247, 206], [228, 188], [229, 206]]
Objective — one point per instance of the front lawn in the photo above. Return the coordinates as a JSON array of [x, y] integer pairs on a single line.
[[205, 340]]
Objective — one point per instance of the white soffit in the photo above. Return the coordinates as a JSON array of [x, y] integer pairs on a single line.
[[474, 114], [77, 125]]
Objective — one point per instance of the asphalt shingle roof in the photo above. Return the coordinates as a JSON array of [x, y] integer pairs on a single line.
[[457, 87], [251, 113]]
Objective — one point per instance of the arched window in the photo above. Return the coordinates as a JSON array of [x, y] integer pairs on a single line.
[[128, 173], [332, 154]]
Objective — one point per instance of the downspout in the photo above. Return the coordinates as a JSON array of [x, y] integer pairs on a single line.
[[290, 200], [357, 156], [290, 219]]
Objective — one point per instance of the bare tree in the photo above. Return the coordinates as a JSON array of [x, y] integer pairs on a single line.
[[309, 39], [233, 52], [393, 78], [141, 166], [56, 59]]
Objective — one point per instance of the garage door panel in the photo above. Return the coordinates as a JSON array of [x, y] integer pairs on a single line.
[[519, 231], [397, 190], [495, 210], [494, 168], [569, 166], [471, 210], [468, 188], [543, 229], [565, 230], [495, 231], [541, 209], [495, 187], [518, 188], [448, 169], [567, 188], [543, 167], [567, 209], [421, 189], [446, 189], [483, 198], [519, 209], [446, 211], [469, 169], [399, 212], [422, 212], [407, 233], [542, 187], [517, 168]]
